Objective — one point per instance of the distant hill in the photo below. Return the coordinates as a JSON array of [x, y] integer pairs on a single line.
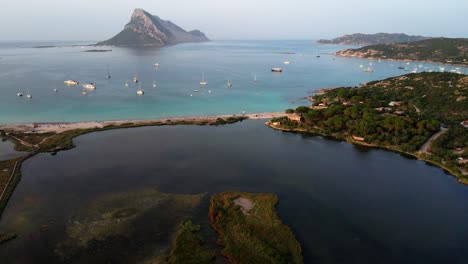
[[443, 50], [372, 39], [145, 29]]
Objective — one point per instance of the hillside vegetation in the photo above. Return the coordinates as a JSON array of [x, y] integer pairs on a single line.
[[399, 113], [360, 39], [443, 50]]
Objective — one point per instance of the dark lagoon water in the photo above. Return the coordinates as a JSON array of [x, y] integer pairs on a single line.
[[23, 67], [345, 204], [7, 151]]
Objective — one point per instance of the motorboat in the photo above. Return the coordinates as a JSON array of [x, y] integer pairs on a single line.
[[71, 82], [89, 86]]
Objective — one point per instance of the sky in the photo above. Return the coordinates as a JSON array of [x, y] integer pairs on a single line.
[[234, 19]]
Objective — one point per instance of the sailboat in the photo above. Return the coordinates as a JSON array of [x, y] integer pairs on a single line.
[[126, 83], [140, 91], [229, 83], [108, 72], [28, 95], [20, 94], [255, 78], [154, 84], [135, 77], [203, 83]]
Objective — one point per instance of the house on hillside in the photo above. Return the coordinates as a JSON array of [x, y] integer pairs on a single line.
[[295, 118], [358, 138], [393, 103], [464, 123]]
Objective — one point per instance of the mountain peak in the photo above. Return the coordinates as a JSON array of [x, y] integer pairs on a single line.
[[145, 29]]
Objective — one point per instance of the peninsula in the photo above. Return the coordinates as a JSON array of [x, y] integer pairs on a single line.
[[360, 39], [441, 50], [423, 115], [145, 29]]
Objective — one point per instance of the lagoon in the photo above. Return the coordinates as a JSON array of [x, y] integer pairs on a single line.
[[346, 204]]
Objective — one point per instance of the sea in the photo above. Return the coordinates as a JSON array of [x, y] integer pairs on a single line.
[[173, 89]]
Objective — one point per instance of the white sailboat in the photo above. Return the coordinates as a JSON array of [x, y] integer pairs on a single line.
[[126, 83], [255, 78], [154, 84], [229, 83], [135, 77], [20, 94], [28, 95], [203, 83], [140, 91]]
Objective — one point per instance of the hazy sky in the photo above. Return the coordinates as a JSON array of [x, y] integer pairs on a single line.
[[234, 19]]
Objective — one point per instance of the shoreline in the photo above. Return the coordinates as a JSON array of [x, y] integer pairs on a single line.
[[398, 60], [59, 127], [421, 157]]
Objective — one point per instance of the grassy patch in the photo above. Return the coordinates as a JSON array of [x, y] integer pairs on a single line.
[[6, 237], [187, 246], [256, 236]]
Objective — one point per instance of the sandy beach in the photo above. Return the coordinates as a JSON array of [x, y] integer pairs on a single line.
[[65, 126]]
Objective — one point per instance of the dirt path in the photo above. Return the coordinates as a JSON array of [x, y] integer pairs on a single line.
[[424, 148]]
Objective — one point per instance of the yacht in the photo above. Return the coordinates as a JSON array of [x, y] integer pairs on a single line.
[[89, 86], [195, 90], [203, 83], [84, 93], [20, 94], [276, 69], [287, 62], [140, 92], [156, 65], [71, 82], [368, 70]]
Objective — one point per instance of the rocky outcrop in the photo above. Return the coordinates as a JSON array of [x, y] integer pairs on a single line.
[[145, 29]]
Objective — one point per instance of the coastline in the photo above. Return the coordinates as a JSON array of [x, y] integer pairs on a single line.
[[59, 127], [420, 156], [66, 132], [396, 60]]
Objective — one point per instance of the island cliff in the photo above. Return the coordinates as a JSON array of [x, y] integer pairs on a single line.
[[145, 29]]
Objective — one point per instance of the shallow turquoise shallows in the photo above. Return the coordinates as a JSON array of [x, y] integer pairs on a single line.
[[41, 70]]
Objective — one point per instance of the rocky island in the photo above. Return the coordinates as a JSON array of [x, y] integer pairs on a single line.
[[145, 29], [442, 50], [360, 39]]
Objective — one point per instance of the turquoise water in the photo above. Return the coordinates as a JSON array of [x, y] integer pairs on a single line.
[[43, 70]]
